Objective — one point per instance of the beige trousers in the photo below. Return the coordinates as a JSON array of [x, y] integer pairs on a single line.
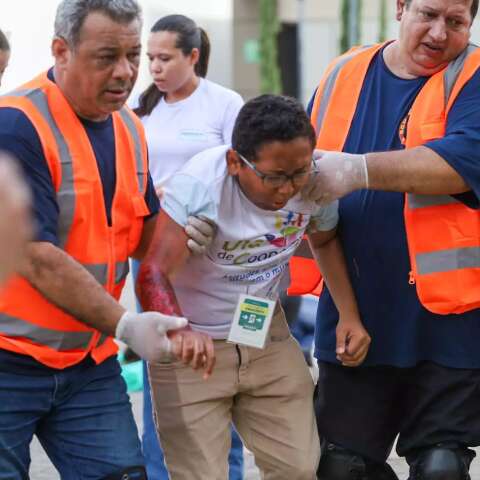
[[268, 394]]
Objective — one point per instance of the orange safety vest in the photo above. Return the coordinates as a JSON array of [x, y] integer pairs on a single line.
[[443, 234], [29, 323]]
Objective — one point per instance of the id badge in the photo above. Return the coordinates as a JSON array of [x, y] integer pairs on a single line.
[[251, 321]]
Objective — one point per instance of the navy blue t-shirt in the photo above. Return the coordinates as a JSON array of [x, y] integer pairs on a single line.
[[19, 137], [372, 232]]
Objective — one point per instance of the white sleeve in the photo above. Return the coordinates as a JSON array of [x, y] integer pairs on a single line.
[[229, 117], [184, 196], [324, 219]]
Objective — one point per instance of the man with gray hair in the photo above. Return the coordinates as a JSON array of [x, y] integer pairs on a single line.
[[84, 156]]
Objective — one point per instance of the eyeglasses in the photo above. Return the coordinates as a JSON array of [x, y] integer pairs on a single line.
[[280, 179]]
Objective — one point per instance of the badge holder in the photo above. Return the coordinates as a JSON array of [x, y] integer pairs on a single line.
[[251, 322]]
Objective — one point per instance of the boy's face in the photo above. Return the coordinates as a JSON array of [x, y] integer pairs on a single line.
[[263, 185]]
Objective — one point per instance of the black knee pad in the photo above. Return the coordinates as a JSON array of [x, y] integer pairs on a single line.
[[337, 463], [129, 473], [442, 462]]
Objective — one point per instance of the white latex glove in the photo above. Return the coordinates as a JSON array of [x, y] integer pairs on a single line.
[[336, 175], [15, 218], [146, 334], [201, 231]]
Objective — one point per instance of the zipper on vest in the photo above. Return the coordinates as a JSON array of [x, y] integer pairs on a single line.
[[411, 278], [111, 262]]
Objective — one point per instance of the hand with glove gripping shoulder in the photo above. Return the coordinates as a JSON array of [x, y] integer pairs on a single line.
[[200, 231], [336, 174]]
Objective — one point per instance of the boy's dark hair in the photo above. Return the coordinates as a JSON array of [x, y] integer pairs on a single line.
[[270, 118], [189, 36], [4, 44]]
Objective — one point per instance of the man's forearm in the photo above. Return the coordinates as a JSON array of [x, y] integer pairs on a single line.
[[416, 170], [65, 283]]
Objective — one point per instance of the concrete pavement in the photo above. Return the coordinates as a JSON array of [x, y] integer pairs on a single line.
[[42, 469]]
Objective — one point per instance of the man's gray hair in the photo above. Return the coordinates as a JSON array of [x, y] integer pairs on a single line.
[[71, 15]]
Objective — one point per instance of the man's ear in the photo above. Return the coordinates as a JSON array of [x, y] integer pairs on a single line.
[[400, 9], [60, 51], [234, 164]]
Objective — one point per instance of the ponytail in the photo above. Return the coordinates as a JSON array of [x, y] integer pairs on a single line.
[[148, 101], [201, 67]]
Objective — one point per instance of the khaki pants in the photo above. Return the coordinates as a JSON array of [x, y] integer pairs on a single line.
[[268, 394]]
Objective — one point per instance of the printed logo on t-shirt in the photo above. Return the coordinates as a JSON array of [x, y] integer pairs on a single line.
[[192, 135], [289, 229]]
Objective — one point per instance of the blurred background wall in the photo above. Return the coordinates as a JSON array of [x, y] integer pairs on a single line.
[[308, 37]]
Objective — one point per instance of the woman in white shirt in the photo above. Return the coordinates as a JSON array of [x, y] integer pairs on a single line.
[[183, 114]]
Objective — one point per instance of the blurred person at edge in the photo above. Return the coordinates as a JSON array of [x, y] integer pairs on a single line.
[[183, 114], [404, 159], [4, 54], [15, 220], [84, 155], [15, 217]]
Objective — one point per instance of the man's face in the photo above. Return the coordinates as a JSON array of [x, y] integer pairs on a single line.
[[432, 33], [98, 74], [273, 159]]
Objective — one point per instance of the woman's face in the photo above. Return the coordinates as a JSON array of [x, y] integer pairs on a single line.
[[170, 68], [4, 57]]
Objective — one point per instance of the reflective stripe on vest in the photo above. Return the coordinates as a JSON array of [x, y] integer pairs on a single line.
[[141, 174], [330, 83], [58, 340], [66, 192], [448, 260], [121, 271], [450, 77]]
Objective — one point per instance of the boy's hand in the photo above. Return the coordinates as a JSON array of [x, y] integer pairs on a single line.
[[353, 342], [195, 349]]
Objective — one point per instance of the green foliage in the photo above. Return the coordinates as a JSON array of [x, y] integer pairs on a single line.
[[345, 10], [382, 19], [269, 27], [344, 17]]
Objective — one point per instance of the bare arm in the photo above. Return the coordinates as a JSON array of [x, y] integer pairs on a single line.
[[168, 251], [146, 238], [328, 254], [65, 283], [353, 340], [415, 170]]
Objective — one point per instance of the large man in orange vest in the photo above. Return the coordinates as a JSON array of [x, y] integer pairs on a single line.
[[84, 156], [404, 119]]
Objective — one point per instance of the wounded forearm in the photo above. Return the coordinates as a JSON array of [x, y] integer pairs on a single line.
[[66, 284], [155, 291], [417, 170]]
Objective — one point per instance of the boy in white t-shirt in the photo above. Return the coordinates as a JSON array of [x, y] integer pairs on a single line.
[[251, 192]]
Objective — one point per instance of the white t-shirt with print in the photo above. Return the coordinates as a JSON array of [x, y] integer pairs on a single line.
[[177, 131], [251, 249]]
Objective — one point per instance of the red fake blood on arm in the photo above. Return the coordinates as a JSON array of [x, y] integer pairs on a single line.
[[155, 291]]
